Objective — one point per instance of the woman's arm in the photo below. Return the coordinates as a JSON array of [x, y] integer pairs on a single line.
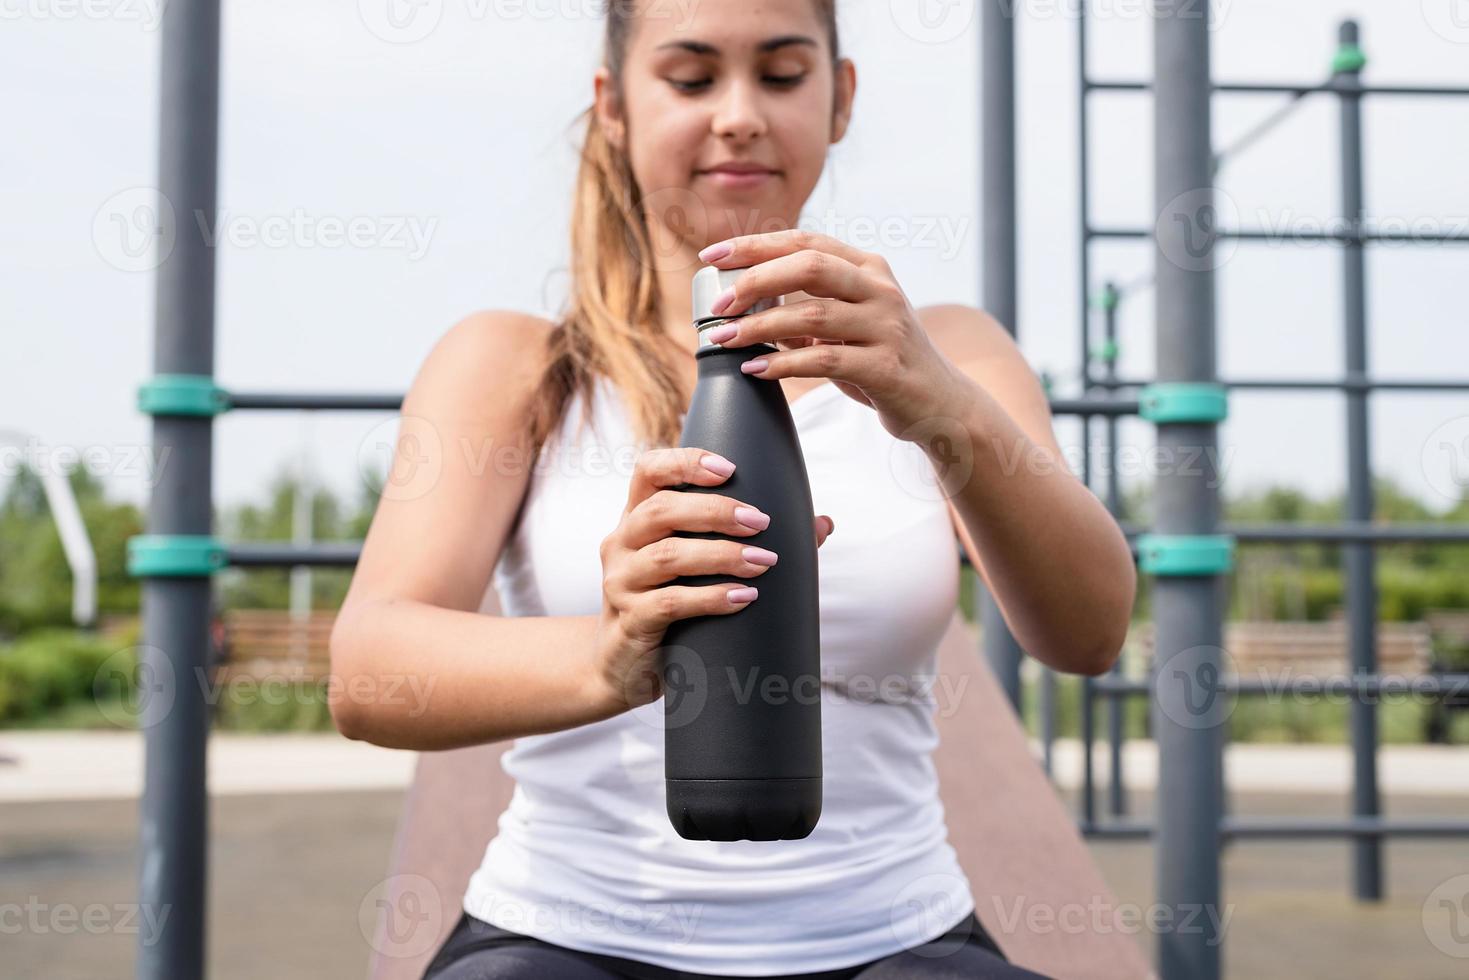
[[953, 381], [1052, 554], [414, 664]]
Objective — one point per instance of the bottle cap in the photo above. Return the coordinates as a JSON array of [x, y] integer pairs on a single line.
[[709, 283]]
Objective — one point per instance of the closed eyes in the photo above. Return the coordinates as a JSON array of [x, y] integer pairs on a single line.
[[698, 85]]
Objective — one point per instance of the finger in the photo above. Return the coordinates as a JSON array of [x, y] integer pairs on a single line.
[[654, 610], [816, 272], [748, 250], [667, 511], [668, 558], [824, 526], [817, 361], [671, 467], [823, 319]]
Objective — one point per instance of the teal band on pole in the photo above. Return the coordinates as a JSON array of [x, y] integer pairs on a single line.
[[1348, 57], [1107, 351], [1185, 554], [175, 556], [1107, 299], [182, 394], [1183, 401]]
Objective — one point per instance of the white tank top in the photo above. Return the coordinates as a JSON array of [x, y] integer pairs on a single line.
[[585, 855]]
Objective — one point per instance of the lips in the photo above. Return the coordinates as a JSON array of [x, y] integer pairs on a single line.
[[739, 168], [738, 175]]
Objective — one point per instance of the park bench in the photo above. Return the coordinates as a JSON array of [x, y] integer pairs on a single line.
[[1285, 650], [1450, 629], [268, 644]]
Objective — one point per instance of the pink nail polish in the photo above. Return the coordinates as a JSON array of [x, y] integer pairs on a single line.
[[755, 366], [716, 251], [722, 333], [741, 596], [723, 300], [717, 465], [759, 556], [750, 517]]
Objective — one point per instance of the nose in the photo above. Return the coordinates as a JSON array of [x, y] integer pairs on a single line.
[[739, 115]]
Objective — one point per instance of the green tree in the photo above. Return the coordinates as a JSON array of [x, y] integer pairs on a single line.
[[35, 580]]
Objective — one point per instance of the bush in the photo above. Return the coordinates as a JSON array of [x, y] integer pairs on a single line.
[[47, 669]]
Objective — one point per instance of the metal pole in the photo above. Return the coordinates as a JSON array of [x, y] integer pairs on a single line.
[[1188, 721], [1110, 298], [1083, 191], [997, 118], [1360, 558], [175, 615], [1046, 702], [1087, 725], [303, 533]]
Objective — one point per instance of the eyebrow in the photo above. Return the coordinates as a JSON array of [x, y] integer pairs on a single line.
[[703, 47]]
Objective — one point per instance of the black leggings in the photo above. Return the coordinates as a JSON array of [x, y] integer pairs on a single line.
[[476, 950]]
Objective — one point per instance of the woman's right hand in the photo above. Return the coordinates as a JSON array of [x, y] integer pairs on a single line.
[[643, 553]]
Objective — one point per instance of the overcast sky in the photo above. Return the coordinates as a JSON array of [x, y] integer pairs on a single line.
[[446, 133]]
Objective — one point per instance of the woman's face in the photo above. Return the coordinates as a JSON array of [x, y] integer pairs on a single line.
[[726, 83]]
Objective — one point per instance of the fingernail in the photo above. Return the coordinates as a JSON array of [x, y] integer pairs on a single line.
[[831, 525], [716, 252], [750, 517], [755, 366], [760, 556], [742, 596], [722, 300], [717, 465], [722, 333]]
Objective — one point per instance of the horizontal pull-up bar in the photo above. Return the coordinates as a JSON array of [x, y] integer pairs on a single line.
[[1311, 384], [1116, 686], [1291, 88], [1301, 235], [1236, 828]]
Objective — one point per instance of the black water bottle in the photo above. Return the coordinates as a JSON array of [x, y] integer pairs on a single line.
[[742, 704]]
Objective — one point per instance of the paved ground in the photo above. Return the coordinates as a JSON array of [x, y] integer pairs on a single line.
[[290, 872], [44, 765], [301, 829]]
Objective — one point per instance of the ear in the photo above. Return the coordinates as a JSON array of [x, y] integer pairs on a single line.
[[845, 91], [608, 107]]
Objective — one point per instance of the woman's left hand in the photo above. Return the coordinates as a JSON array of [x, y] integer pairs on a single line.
[[859, 330]]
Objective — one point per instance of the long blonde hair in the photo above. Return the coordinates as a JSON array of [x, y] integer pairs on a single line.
[[612, 325]]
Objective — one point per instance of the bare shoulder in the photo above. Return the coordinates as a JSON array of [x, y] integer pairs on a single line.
[[967, 333], [485, 363], [979, 346]]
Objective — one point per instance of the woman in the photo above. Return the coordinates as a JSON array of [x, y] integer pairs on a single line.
[[708, 132]]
